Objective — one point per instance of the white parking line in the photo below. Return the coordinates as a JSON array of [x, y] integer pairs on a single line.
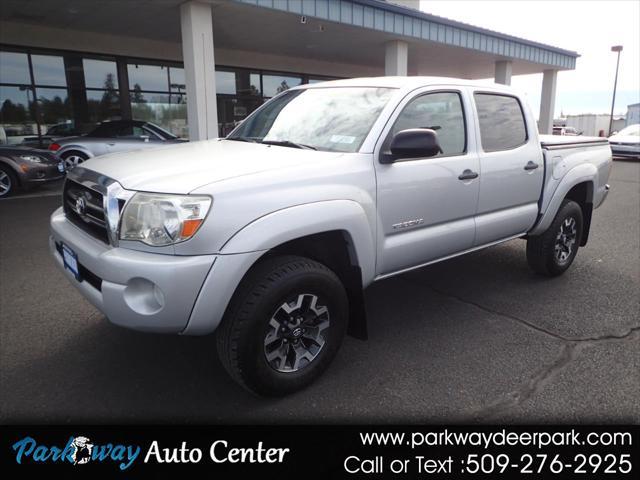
[[33, 195]]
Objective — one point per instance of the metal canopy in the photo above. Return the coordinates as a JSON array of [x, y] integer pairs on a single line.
[[350, 32], [413, 24]]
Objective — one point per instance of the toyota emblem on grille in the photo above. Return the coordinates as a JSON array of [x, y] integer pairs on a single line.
[[81, 205]]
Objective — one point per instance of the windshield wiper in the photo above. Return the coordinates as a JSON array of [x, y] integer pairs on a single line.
[[243, 139], [288, 143]]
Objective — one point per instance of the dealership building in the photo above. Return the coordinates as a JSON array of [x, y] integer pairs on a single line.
[[197, 68]]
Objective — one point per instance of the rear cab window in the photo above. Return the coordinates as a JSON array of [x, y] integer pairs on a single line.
[[501, 120]]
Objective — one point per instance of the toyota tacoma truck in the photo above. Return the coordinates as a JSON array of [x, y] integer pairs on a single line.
[[269, 236]]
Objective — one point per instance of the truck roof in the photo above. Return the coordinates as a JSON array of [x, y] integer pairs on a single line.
[[408, 82]]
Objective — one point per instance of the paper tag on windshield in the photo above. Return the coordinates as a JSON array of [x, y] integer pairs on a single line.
[[342, 139]]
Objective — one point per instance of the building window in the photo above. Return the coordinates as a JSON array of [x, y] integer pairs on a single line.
[[14, 68], [49, 70], [102, 91], [272, 85], [33, 97], [100, 74], [158, 95], [17, 119]]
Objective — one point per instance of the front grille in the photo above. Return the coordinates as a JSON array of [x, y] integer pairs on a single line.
[[84, 208]]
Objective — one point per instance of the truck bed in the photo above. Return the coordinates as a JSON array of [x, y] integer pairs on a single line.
[[555, 142]]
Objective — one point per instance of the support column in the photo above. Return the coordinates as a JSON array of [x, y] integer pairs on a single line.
[[199, 69], [547, 101], [503, 72], [396, 58]]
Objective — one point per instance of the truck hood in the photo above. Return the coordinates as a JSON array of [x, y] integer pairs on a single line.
[[183, 168]]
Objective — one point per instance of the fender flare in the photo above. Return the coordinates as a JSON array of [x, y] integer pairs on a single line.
[[288, 224], [586, 172]]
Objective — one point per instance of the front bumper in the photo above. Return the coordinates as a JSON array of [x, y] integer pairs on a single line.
[[138, 290], [36, 174], [151, 292], [625, 150]]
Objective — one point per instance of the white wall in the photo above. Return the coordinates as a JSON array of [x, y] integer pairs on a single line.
[[589, 124], [633, 114]]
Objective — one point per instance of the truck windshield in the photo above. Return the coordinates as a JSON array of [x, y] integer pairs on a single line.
[[334, 119]]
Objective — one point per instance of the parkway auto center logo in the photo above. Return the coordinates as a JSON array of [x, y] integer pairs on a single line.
[[79, 450]]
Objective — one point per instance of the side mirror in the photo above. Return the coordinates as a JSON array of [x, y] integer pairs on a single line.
[[145, 137], [413, 143]]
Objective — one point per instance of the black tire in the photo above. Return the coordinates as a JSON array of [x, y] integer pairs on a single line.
[[246, 326], [8, 181], [73, 159], [541, 250]]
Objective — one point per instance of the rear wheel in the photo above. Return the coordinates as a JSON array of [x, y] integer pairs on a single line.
[[73, 159], [283, 326], [8, 182], [553, 252]]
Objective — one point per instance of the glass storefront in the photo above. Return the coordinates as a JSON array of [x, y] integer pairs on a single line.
[[45, 95], [158, 96]]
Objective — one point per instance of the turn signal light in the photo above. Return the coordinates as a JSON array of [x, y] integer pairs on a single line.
[[190, 227]]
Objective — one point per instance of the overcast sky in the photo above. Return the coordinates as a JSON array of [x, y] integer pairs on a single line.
[[587, 27]]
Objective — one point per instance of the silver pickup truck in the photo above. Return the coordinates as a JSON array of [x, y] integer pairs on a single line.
[[270, 236]]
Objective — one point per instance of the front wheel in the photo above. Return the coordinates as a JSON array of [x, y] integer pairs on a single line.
[[283, 326], [553, 252], [8, 182]]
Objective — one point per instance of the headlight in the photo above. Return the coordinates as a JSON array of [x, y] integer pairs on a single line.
[[159, 219], [32, 158]]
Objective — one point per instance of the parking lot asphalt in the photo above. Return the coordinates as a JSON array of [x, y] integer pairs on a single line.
[[479, 338]]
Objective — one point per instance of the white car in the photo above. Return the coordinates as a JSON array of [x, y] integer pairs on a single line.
[[626, 143]]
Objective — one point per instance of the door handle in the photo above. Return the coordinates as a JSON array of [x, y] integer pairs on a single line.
[[467, 175], [531, 165]]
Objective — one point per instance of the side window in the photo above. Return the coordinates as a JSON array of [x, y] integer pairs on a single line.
[[442, 112], [125, 131], [502, 125], [139, 132]]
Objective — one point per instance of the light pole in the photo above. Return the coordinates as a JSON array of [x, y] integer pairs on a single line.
[[615, 48]]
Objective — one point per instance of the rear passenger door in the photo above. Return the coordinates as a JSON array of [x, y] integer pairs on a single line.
[[511, 167]]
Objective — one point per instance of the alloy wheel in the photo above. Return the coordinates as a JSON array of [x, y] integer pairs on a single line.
[[5, 183], [72, 161], [296, 333], [566, 240]]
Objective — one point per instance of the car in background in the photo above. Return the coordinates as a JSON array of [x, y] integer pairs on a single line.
[[565, 131], [23, 168], [110, 137], [626, 143], [55, 133]]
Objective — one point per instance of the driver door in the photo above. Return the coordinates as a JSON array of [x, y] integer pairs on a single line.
[[426, 206], [129, 137]]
